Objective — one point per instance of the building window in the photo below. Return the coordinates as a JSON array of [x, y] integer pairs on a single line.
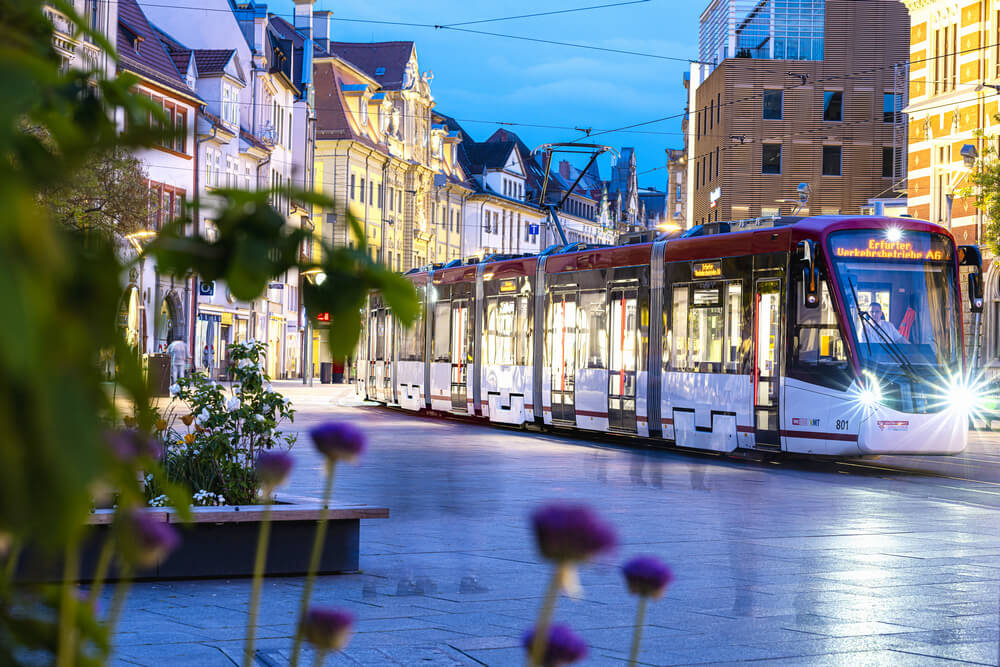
[[371, 192], [352, 187], [888, 162], [770, 159], [709, 170], [392, 196], [891, 108], [718, 159], [718, 108], [697, 175], [230, 104], [362, 191], [772, 104], [833, 105], [711, 114], [831, 160]]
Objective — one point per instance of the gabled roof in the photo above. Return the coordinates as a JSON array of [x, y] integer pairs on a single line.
[[489, 155], [213, 61], [151, 60], [331, 111], [383, 61]]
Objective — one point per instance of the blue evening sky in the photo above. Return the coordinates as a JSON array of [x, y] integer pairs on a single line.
[[484, 78]]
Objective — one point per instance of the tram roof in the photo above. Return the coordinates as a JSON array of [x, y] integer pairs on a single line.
[[710, 241]]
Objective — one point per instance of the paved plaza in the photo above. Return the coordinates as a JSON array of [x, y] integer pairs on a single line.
[[776, 563]]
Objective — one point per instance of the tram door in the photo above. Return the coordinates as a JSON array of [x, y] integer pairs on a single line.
[[767, 347], [562, 315], [622, 369], [388, 381], [461, 353]]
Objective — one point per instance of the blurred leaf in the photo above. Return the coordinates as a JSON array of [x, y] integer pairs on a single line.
[[400, 294]]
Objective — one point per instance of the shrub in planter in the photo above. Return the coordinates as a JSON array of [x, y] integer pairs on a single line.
[[213, 434]]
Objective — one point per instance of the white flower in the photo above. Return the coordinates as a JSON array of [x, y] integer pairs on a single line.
[[286, 400], [267, 387], [203, 417], [243, 363], [250, 341], [232, 404], [260, 418], [175, 389]]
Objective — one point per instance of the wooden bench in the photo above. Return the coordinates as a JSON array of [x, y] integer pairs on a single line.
[[221, 541]]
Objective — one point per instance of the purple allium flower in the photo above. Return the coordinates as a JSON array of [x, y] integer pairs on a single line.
[[127, 445], [647, 576], [571, 533], [147, 540], [564, 647], [327, 629], [338, 441], [273, 468]]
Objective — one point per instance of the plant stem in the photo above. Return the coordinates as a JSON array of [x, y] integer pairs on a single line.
[[320, 658], [13, 555], [101, 570], [67, 607], [640, 621], [263, 538], [317, 552], [545, 616], [121, 592]]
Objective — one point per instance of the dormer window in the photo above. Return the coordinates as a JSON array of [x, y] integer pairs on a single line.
[[230, 104], [131, 36], [363, 103]]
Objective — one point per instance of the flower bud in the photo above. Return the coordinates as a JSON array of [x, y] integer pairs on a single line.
[[568, 533], [273, 468], [338, 441], [647, 576], [327, 629], [564, 647], [147, 541]]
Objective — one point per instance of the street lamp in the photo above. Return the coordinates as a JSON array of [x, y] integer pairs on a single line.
[[317, 277]]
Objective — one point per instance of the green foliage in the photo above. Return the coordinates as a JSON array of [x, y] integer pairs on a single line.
[[215, 451], [984, 187]]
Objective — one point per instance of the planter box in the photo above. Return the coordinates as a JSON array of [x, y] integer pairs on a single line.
[[220, 542]]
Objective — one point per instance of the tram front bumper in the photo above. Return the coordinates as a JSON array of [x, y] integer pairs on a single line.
[[887, 431]]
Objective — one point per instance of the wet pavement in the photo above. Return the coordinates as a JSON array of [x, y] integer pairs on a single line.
[[894, 562]]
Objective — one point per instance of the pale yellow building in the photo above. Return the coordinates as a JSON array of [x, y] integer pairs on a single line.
[[380, 155]]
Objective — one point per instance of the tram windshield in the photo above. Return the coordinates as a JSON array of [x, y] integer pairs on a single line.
[[899, 291]]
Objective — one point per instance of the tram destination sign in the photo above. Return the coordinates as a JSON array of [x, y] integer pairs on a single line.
[[706, 269], [914, 246]]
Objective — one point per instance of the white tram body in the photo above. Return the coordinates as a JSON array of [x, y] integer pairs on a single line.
[[828, 335]]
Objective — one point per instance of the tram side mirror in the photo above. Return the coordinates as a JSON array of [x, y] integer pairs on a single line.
[[969, 255], [810, 273]]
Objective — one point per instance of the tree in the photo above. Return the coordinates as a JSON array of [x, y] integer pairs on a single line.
[[109, 194], [984, 188]]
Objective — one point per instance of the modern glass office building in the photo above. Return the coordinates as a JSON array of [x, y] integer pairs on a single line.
[[771, 29]]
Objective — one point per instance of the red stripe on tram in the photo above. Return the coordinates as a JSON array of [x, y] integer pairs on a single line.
[[621, 356]]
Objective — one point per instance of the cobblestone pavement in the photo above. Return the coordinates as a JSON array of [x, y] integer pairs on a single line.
[[777, 563]]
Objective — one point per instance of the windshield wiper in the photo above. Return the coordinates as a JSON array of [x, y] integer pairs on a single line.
[[897, 354]]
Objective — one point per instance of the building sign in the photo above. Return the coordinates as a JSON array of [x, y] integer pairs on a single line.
[[322, 317], [914, 246], [275, 286], [508, 285], [713, 197], [534, 229], [206, 288], [706, 269]]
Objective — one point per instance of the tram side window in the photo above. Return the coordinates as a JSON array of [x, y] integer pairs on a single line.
[[442, 331], [523, 331], [412, 340], [818, 352], [678, 329], [705, 331], [500, 317], [734, 327], [592, 330]]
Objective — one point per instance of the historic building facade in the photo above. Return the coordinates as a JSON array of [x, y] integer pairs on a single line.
[[954, 69], [827, 115]]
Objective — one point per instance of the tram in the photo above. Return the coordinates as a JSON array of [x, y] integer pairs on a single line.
[[825, 335]]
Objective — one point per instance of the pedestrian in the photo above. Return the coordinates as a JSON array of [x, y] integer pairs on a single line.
[[178, 358]]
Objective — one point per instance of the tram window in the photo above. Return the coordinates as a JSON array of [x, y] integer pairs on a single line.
[[592, 330], [442, 331], [705, 331], [523, 331], [500, 315], [818, 353], [734, 326], [678, 329]]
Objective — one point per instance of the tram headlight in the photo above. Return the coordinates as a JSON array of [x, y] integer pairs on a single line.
[[963, 397], [870, 393]]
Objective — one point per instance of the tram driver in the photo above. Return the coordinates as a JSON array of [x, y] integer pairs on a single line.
[[887, 328]]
